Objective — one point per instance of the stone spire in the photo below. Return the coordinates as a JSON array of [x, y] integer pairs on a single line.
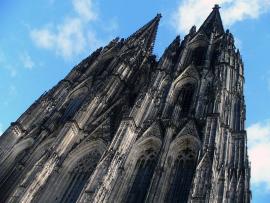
[[146, 35], [123, 127], [171, 53], [213, 22]]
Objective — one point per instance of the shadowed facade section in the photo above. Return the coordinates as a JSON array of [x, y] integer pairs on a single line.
[[124, 127]]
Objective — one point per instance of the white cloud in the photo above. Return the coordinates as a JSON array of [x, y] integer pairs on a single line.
[[259, 153], [69, 38], [27, 60], [85, 9], [66, 41], [194, 12], [43, 37]]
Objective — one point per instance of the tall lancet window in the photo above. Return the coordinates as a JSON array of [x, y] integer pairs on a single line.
[[79, 176], [71, 109], [181, 177], [237, 115], [145, 169], [198, 56], [185, 100]]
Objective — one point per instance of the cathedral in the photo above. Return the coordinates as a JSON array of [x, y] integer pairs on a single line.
[[126, 127]]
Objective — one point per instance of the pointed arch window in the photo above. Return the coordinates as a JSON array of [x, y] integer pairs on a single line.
[[72, 108], [237, 115], [185, 99], [79, 176], [11, 178], [145, 167], [181, 177], [198, 56]]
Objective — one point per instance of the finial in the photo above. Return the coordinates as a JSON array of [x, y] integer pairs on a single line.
[[159, 15], [176, 40], [216, 6], [192, 29]]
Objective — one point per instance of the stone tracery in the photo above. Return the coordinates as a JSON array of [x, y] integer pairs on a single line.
[[124, 127]]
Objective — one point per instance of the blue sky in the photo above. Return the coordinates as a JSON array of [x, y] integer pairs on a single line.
[[41, 40]]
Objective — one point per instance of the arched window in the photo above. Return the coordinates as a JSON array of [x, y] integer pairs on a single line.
[[198, 56], [79, 176], [12, 166], [145, 167], [181, 176], [72, 108], [11, 179], [185, 99], [20, 167], [237, 114]]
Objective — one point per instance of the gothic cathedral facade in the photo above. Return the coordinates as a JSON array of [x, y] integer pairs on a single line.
[[123, 126]]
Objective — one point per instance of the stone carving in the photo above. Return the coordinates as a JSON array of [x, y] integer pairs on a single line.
[[126, 127]]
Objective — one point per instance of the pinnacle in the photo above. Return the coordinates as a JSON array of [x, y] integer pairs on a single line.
[[151, 24], [147, 33], [213, 22], [159, 16], [177, 38], [216, 6], [173, 46], [175, 41]]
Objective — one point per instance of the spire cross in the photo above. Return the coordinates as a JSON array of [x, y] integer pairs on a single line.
[[216, 6], [159, 15]]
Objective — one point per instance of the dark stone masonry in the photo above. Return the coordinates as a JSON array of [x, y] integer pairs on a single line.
[[123, 126]]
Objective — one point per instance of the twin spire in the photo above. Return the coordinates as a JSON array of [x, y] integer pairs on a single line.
[[147, 34]]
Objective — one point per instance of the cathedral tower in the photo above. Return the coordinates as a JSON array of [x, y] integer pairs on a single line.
[[123, 126]]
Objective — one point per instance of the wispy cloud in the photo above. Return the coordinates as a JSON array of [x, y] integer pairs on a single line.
[[67, 40], [259, 153], [85, 9], [27, 60], [70, 37], [193, 12], [7, 66]]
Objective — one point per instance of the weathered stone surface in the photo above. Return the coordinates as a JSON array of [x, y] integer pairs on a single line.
[[123, 127]]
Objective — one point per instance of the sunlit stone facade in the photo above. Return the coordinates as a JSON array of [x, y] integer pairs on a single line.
[[123, 126]]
